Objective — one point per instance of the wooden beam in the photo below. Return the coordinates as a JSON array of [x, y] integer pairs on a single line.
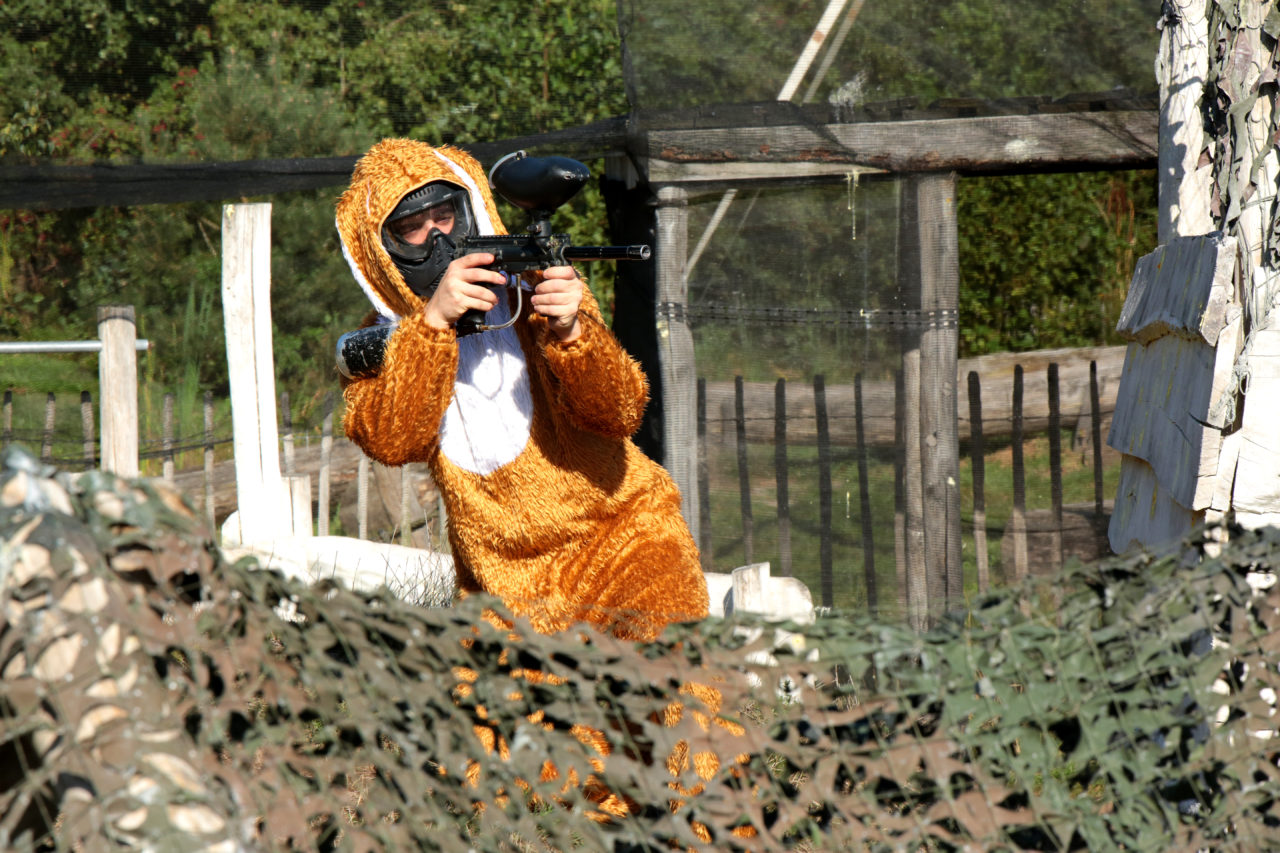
[[939, 348], [675, 350], [988, 144]]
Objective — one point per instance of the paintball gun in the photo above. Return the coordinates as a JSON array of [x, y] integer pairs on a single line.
[[536, 185]]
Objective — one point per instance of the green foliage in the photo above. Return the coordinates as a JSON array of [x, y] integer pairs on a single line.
[[998, 48], [692, 53], [232, 80], [1045, 260]]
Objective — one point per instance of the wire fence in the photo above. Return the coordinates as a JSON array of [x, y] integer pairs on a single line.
[[809, 477]]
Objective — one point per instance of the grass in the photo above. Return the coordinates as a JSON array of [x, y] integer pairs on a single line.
[[32, 377], [849, 587]]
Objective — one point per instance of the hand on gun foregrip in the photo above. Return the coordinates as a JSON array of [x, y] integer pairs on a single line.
[[558, 296], [464, 286]]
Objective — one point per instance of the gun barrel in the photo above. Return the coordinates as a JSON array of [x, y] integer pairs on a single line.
[[637, 252]]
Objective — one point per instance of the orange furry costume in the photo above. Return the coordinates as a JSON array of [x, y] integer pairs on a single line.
[[551, 507]]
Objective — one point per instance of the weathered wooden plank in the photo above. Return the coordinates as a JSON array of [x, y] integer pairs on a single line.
[[1185, 324], [966, 145], [1144, 514], [1182, 288], [1160, 415], [996, 375]]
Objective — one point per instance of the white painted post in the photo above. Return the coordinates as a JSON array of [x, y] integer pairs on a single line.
[[300, 521], [118, 389], [263, 510]]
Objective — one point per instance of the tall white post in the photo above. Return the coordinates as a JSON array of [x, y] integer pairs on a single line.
[[263, 509]]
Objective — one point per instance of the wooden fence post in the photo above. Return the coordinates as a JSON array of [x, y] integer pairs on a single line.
[[938, 245], [826, 566], [912, 495], [1055, 467], [978, 465], [1018, 516], [86, 424], [675, 345], [118, 389], [782, 475], [900, 488], [210, 508], [263, 508], [50, 419], [744, 475], [704, 481], [864, 502]]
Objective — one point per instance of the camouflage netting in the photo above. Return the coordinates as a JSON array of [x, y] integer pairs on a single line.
[[155, 697]]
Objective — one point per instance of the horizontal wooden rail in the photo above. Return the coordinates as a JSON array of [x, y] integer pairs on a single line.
[[995, 373]]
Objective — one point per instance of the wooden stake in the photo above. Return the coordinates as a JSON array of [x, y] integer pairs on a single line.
[[744, 476], [86, 425], [864, 504], [46, 445], [166, 425], [978, 464], [326, 459], [1055, 468], [1018, 519], [704, 481], [824, 492], [782, 476], [118, 389]]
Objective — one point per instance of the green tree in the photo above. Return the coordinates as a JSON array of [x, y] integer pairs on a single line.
[[1045, 260], [232, 80]]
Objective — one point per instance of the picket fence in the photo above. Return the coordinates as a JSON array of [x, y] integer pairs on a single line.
[[1010, 396]]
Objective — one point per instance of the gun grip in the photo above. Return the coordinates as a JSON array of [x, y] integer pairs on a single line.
[[359, 353], [469, 323]]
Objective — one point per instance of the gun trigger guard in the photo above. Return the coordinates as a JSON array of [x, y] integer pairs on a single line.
[[515, 316]]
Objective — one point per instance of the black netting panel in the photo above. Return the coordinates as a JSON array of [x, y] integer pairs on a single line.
[[796, 311], [684, 54]]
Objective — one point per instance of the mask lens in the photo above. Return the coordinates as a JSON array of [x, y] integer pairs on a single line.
[[415, 229]]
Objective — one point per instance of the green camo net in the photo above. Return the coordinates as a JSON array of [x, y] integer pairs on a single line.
[[155, 697]]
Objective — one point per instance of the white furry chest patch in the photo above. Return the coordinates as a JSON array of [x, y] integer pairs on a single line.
[[488, 420]]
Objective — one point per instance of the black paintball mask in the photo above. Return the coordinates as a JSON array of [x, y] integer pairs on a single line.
[[413, 235]]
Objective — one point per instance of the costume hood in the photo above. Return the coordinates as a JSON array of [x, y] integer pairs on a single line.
[[383, 176]]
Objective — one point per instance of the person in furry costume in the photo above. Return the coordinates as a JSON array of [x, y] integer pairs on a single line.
[[526, 429]]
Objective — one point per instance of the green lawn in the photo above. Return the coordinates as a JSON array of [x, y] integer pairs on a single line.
[[728, 548]]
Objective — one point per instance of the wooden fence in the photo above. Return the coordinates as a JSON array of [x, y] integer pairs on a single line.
[[1009, 396]]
